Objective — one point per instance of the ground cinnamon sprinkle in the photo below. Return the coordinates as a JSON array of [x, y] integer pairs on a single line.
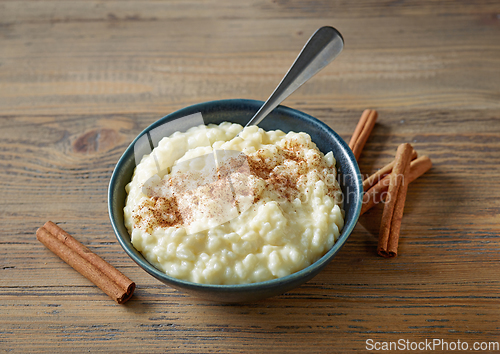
[[178, 208], [284, 184], [164, 211]]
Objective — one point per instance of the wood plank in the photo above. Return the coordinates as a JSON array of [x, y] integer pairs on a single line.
[[56, 11], [148, 76]]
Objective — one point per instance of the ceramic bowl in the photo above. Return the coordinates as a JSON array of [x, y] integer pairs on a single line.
[[240, 111]]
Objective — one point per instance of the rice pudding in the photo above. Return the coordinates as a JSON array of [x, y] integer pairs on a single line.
[[270, 206]]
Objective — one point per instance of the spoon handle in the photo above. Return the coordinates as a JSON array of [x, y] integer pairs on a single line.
[[323, 46]]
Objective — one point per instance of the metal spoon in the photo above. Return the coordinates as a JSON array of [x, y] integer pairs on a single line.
[[323, 46]]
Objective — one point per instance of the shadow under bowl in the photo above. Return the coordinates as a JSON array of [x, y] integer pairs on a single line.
[[240, 111]]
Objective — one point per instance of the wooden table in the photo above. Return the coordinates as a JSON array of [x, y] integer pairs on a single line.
[[80, 79]]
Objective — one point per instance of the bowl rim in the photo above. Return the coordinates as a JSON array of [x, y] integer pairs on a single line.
[[303, 273]]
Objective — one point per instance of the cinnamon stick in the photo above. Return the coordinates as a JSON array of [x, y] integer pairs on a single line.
[[91, 266], [378, 191], [393, 208], [362, 131], [380, 174]]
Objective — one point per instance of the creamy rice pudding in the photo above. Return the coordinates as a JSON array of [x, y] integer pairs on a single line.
[[233, 205]]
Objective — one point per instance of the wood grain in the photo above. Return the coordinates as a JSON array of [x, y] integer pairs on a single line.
[[79, 80]]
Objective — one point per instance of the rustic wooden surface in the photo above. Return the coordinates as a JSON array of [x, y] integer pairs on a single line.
[[80, 79]]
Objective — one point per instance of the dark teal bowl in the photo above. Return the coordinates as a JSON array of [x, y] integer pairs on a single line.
[[240, 111]]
